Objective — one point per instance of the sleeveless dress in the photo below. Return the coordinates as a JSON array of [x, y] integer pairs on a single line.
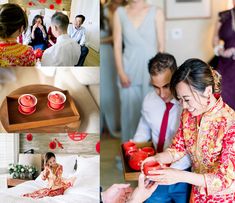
[[140, 45], [110, 102], [226, 66]]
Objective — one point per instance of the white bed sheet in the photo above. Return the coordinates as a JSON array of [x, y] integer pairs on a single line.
[[85, 189]]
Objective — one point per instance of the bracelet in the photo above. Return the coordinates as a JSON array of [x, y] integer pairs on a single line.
[[217, 48]]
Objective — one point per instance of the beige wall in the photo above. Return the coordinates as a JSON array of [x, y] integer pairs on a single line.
[[197, 34]]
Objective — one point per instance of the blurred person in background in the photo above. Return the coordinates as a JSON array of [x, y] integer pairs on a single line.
[[110, 101], [225, 32], [38, 33], [138, 34]]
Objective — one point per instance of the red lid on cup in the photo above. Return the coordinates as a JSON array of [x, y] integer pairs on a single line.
[[27, 100]]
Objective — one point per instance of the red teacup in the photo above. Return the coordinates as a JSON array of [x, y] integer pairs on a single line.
[[130, 152], [149, 150], [136, 160], [27, 103], [56, 100], [129, 146], [150, 166]]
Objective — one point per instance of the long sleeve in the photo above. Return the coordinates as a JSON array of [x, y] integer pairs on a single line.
[[178, 148], [83, 37], [143, 132], [224, 176]]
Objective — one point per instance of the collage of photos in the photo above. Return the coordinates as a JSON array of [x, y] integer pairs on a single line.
[[49, 101], [117, 101]]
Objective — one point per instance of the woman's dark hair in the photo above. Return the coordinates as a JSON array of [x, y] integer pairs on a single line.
[[35, 18], [160, 62], [12, 18], [48, 155], [197, 74]]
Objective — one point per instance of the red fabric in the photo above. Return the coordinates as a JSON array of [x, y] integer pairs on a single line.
[[162, 134]]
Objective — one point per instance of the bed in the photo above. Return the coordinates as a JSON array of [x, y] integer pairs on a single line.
[[85, 189]]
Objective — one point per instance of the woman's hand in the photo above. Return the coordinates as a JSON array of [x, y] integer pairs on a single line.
[[228, 53], [117, 193], [166, 176], [125, 82], [35, 26], [41, 27]]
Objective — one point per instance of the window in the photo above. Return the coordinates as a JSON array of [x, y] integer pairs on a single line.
[[9, 149]]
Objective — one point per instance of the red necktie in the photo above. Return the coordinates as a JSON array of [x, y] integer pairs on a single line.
[[162, 134]]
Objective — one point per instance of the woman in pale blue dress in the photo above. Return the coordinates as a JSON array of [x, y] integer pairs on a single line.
[[138, 35], [110, 102]]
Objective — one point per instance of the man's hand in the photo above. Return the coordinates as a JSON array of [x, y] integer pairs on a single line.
[[117, 193]]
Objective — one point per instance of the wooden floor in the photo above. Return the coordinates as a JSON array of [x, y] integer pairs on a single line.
[[93, 58], [109, 174]]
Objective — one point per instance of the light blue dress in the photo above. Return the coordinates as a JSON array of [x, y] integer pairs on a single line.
[[110, 102], [140, 45]]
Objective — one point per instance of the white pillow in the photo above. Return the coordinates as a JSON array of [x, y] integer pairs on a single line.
[[35, 12], [49, 12], [68, 162], [88, 171]]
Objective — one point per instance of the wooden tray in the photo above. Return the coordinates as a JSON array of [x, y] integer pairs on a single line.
[[43, 116], [128, 173]]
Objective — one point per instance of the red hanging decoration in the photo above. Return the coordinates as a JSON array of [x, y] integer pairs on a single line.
[[97, 147], [29, 137], [76, 136], [52, 145], [58, 1], [42, 1], [60, 145], [30, 3], [52, 6]]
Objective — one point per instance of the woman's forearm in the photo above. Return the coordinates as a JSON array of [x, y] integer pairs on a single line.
[[118, 59], [106, 40], [193, 178], [164, 157]]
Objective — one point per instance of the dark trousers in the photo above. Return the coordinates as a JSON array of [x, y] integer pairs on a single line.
[[84, 52], [176, 193]]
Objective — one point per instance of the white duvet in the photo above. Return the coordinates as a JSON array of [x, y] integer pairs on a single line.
[[85, 189]]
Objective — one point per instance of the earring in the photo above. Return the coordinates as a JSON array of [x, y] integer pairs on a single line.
[[208, 101]]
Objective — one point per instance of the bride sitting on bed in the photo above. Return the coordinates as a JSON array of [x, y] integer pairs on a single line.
[[53, 173]]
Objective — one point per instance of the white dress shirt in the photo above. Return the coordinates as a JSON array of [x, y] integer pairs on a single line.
[[152, 112], [78, 34], [65, 52]]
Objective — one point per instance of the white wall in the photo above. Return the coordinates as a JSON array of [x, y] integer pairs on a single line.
[[3, 1], [197, 34], [90, 9]]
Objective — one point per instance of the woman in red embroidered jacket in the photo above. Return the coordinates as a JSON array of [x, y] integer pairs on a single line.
[[53, 173], [13, 22], [206, 133]]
